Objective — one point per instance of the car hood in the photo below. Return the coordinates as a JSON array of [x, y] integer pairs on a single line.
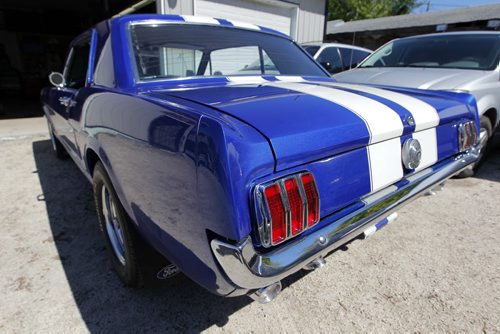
[[422, 78], [306, 120]]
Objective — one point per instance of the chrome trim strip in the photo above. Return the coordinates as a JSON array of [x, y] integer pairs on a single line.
[[249, 269], [288, 211], [303, 197]]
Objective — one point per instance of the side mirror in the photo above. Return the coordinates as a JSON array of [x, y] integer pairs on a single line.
[[57, 79], [326, 65]]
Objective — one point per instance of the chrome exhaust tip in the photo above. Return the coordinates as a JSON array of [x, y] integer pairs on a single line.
[[315, 264], [267, 294]]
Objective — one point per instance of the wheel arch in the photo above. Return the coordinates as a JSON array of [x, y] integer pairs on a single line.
[[91, 159], [492, 115]]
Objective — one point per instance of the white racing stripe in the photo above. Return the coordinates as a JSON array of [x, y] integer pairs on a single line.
[[382, 122], [200, 19], [244, 25], [385, 163], [428, 142], [424, 114], [245, 79], [289, 78]]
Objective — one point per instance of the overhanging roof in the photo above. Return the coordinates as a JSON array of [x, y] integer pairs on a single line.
[[469, 14]]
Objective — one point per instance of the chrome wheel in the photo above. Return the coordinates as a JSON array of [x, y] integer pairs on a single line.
[[112, 225]]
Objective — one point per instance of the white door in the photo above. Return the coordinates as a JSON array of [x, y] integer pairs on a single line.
[[277, 15]]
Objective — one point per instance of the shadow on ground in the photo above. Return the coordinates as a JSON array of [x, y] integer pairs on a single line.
[[104, 303]]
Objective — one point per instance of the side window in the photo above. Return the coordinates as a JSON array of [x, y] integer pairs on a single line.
[[104, 72], [330, 59], [347, 57], [358, 57], [351, 57], [76, 71]]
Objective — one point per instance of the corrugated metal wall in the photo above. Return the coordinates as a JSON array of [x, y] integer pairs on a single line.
[[179, 7], [310, 18], [311, 21]]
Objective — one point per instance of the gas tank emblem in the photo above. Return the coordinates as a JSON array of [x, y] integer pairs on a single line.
[[411, 153]]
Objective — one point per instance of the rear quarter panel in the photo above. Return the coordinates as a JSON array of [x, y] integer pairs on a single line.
[[181, 173]]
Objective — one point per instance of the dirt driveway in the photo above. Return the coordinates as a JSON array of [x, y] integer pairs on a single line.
[[436, 269]]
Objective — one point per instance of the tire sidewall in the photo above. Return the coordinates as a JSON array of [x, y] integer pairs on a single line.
[[128, 272], [484, 124]]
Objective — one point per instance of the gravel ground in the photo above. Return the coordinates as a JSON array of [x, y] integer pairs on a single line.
[[436, 269]]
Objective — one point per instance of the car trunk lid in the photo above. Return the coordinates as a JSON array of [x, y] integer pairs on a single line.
[[307, 120]]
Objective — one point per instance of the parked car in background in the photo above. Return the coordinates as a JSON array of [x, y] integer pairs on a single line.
[[336, 57], [240, 180], [457, 61]]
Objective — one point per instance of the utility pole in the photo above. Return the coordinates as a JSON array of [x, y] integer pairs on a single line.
[[428, 5]]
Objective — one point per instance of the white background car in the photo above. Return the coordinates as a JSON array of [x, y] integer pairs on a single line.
[[336, 57], [458, 61]]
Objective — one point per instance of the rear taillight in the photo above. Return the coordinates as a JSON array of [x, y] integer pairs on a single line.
[[286, 207]]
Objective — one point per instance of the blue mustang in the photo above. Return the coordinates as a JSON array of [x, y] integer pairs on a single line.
[[226, 148]]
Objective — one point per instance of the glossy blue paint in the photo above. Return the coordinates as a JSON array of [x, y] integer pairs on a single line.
[[184, 155]]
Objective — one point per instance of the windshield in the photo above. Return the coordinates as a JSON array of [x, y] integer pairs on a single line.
[[175, 51], [472, 52]]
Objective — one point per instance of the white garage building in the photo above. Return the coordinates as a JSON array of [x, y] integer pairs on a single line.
[[304, 20]]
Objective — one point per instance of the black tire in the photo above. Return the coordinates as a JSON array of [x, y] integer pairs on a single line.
[[56, 144], [486, 128], [126, 265]]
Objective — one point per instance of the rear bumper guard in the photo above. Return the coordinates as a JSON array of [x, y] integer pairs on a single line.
[[250, 269]]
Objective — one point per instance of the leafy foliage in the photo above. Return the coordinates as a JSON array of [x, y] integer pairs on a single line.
[[349, 10]]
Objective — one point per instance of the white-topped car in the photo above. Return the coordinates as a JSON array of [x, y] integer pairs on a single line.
[[457, 61], [337, 57]]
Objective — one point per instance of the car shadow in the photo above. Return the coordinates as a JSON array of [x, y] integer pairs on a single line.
[[490, 169], [104, 303]]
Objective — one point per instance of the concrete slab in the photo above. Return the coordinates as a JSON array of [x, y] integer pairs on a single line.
[[22, 128]]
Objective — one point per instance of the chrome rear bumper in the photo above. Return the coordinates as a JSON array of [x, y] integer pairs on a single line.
[[249, 269]]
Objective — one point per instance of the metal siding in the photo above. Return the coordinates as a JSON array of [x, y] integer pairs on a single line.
[[179, 7], [310, 18], [311, 21]]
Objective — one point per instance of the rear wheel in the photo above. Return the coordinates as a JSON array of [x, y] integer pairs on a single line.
[[485, 133], [119, 235]]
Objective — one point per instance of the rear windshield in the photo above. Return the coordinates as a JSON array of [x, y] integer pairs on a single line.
[[175, 51], [474, 52]]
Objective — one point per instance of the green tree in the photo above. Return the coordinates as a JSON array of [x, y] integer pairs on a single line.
[[349, 10]]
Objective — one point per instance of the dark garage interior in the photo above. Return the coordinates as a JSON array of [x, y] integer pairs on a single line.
[[34, 36]]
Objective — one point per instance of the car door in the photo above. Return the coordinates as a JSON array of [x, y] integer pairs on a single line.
[[64, 98], [329, 58]]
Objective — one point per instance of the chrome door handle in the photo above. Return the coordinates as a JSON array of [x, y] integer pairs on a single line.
[[66, 101]]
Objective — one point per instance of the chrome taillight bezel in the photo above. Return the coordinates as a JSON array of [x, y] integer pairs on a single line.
[[263, 215], [467, 136]]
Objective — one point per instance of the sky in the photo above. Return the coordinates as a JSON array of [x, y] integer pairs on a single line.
[[436, 5]]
